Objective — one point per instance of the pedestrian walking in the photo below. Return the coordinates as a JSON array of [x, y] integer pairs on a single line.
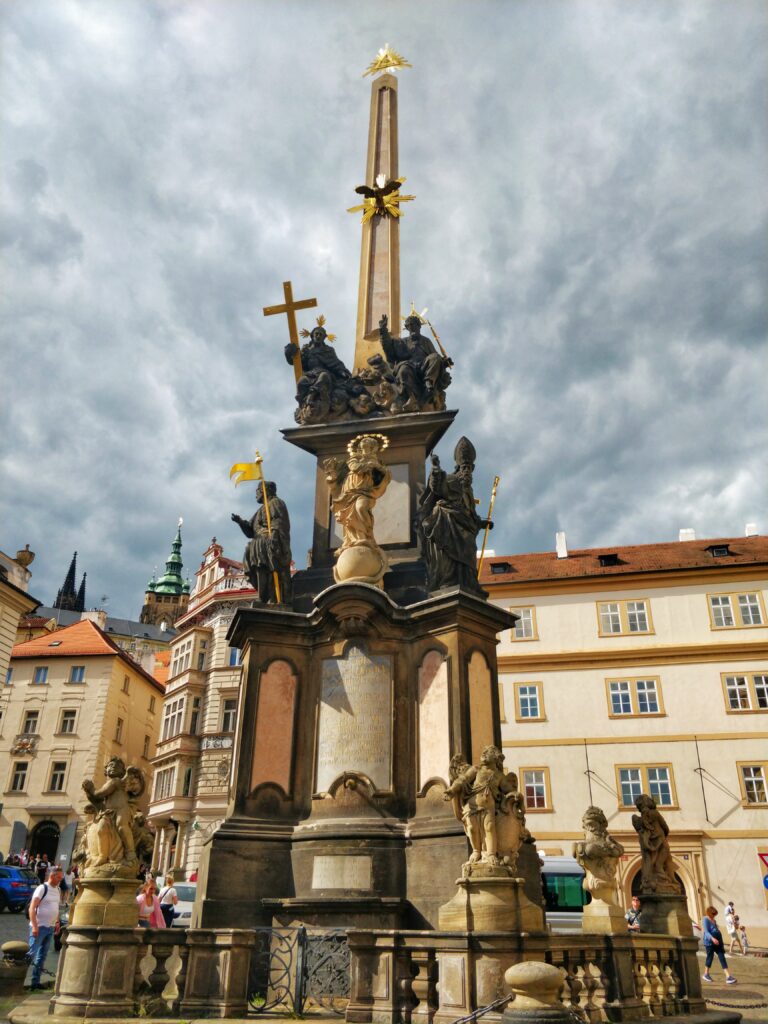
[[744, 939], [150, 914], [43, 922], [732, 927], [41, 868], [713, 946], [633, 915], [168, 900]]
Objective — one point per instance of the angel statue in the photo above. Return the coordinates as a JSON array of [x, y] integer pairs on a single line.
[[355, 485], [658, 870], [109, 843], [487, 802]]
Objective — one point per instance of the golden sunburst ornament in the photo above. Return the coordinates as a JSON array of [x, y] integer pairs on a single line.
[[383, 199], [320, 323], [386, 59]]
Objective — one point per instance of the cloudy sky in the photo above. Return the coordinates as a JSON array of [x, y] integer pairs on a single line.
[[589, 235]]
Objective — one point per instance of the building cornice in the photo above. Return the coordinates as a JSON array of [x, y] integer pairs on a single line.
[[665, 654], [624, 581]]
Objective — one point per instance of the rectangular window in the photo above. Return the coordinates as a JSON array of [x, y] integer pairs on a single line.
[[634, 697], [58, 775], [164, 783], [200, 661], [619, 618], [9, 677], [753, 787], [229, 714], [119, 731], [173, 717], [746, 693], [41, 674], [194, 718], [186, 786], [529, 702], [656, 780], [525, 627], [152, 705], [182, 655], [19, 776], [234, 656], [68, 720], [77, 674], [30, 723], [145, 751], [536, 788], [126, 684], [736, 611]]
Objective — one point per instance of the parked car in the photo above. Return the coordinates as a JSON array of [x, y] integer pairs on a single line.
[[16, 887], [564, 896], [186, 891]]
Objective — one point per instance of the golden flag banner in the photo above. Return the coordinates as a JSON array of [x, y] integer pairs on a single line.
[[245, 471]]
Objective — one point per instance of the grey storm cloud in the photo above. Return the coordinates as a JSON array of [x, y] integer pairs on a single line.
[[589, 235]]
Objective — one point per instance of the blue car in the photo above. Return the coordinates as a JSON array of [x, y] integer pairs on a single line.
[[16, 887]]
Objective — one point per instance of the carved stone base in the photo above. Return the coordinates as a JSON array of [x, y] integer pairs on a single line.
[[362, 563], [603, 919], [96, 975], [665, 914], [491, 905], [106, 902]]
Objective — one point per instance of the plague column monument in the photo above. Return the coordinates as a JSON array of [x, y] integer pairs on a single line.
[[379, 668]]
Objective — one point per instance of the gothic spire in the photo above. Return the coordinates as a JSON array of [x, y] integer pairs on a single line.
[[80, 599], [66, 598]]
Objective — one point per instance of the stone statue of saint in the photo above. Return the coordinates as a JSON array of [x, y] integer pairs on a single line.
[[109, 843], [598, 853], [326, 390], [420, 372], [658, 872], [268, 552], [356, 484], [449, 524], [487, 802]]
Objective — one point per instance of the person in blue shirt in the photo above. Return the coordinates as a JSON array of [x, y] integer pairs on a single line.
[[713, 946]]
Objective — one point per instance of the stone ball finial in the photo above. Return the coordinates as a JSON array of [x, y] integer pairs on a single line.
[[536, 987]]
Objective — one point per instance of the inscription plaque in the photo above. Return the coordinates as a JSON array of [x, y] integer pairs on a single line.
[[341, 872], [354, 726]]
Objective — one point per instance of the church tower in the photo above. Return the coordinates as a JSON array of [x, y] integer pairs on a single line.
[[167, 598], [69, 599]]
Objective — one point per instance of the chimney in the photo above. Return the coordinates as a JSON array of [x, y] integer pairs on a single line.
[[687, 534], [560, 546], [750, 530], [97, 615]]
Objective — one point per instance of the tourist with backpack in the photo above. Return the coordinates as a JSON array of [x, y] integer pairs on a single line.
[[43, 922]]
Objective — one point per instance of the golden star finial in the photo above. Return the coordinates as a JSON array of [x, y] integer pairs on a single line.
[[386, 58]]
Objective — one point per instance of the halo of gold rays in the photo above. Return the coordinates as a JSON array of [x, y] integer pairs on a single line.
[[381, 205], [414, 312], [320, 323], [385, 59], [354, 445]]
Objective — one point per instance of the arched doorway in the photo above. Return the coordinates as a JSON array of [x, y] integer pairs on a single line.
[[681, 877], [44, 839]]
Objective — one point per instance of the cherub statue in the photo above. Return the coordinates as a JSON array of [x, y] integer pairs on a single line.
[[109, 841], [658, 871], [598, 853], [489, 811]]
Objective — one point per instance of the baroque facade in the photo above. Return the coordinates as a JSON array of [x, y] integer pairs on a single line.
[[194, 753], [645, 669], [72, 700]]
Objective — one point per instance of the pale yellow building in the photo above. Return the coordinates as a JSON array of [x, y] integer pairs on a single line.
[[15, 602], [72, 700], [194, 752], [645, 669]]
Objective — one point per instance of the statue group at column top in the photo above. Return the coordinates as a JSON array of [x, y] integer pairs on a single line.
[[411, 376]]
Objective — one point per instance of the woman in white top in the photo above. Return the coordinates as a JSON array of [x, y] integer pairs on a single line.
[[168, 900]]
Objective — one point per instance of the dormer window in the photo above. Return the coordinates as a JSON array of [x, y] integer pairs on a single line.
[[610, 559], [719, 550], [55, 643], [499, 568]]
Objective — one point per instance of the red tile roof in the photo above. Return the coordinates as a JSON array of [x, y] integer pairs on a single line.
[[35, 621], [674, 556], [80, 640]]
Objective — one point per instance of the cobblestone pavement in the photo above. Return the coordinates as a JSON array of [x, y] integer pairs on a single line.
[[751, 973]]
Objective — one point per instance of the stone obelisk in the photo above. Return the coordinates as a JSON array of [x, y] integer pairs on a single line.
[[379, 290]]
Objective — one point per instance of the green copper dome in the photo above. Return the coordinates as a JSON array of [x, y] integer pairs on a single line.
[[171, 582]]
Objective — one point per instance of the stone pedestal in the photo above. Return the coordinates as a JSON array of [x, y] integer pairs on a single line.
[[603, 919], [491, 904], [665, 914], [96, 975], [106, 903], [217, 973], [536, 988]]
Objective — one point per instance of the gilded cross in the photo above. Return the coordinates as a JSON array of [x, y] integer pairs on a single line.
[[289, 308]]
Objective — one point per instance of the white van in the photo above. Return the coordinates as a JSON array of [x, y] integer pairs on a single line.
[[564, 895]]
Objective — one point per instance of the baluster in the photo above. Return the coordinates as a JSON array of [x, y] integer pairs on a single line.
[[424, 985], [598, 986], [641, 981], [654, 981], [407, 971], [181, 976], [670, 986], [162, 949], [144, 964]]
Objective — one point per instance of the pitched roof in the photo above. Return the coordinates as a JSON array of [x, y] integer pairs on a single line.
[[162, 666], [674, 556], [120, 627], [80, 640]]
